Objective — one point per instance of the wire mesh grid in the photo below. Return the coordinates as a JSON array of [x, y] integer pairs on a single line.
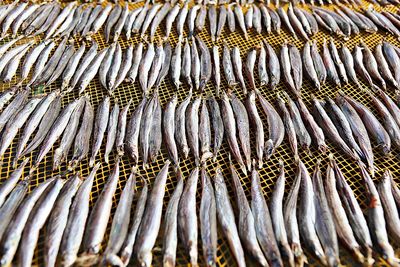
[[268, 173]]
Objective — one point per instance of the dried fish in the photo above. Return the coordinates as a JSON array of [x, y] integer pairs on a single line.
[[273, 66], [187, 218], [45, 124], [205, 133], [172, 14], [262, 221], [106, 64], [371, 123], [329, 64], [216, 68], [228, 67], [165, 64], [75, 227], [100, 125], [315, 131], [195, 68], [308, 212], [13, 234], [291, 223], [324, 224], [383, 66], [8, 186], [201, 18], [246, 224], [171, 224], [208, 220], [151, 220], [121, 129], [58, 218], [182, 18], [155, 138], [91, 71], [226, 218], [243, 126], [84, 64], [176, 65], [114, 68], [127, 247], [228, 118], [338, 62], [120, 224], [289, 126], [126, 65], [36, 221], [389, 122], [277, 217], [98, 219], [376, 220], [354, 213], [137, 58], [112, 18], [120, 23], [192, 128], [72, 66], [282, 13], [132, 132], [231, 18], [111, 130], [223, 12], [212, 18], [81, 146], [14, 124], [296, 66], [187, 64], [169, 129], [155, 67], [342, 224], [276, 129], [325, 122]]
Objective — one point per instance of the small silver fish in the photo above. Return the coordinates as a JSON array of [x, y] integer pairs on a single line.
[[127, 247], [151, 220], [111, 130], [120, 223], [100, 125], [98, 219], [226, 218], [187, 217], [58, 218], [208, 220], [75, 227], [246, 223], [132, 132], [36, 221], [170, 240]]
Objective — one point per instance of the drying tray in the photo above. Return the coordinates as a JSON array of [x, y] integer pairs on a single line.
[[268, 173]]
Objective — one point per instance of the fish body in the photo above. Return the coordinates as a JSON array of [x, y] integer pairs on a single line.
[[228, 118], [58, 218], [151, 220], [127, 247], [187, 217], [246, 224], [208, 220], [100, 125], [132, 132], [99, 216], [170, 240], [226, 218]]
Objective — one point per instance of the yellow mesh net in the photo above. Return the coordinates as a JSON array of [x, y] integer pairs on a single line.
[[268, 174]]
